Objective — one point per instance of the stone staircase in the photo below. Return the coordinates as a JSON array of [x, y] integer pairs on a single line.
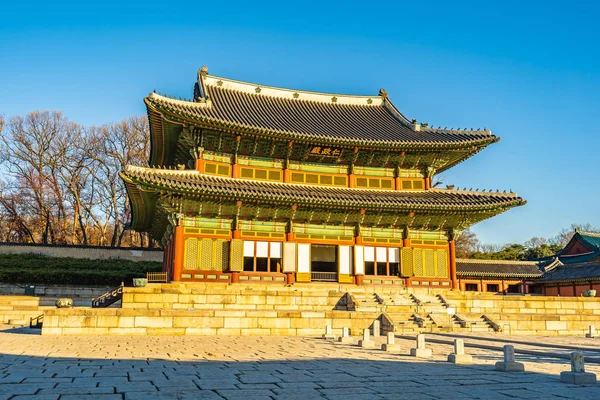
[[474, 322], [18, 310], [367, 302]]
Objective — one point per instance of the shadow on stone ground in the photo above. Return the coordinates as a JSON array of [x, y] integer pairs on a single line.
[[131, 368]]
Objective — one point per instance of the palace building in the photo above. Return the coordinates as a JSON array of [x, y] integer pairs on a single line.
[[251, 183]]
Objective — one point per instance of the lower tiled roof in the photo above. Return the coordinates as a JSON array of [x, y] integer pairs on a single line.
[[497, 268], [193, 183], [573, 272]]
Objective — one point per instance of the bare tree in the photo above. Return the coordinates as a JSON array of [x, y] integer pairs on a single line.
[[61, 182], [466, 243], [566, 234]]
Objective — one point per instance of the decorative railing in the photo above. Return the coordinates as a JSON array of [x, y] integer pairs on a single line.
[[324, 276], [36, 322], [108, 298], [157, 277]]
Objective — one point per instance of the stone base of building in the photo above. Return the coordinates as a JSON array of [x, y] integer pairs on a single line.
[[307, 309]]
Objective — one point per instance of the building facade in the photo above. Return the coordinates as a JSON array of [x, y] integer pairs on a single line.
[[250, 183], [576, 268]]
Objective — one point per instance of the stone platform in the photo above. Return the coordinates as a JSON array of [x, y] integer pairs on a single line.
[[306, 309]]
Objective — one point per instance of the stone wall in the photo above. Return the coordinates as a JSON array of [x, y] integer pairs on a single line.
[[531, 315], [91, 252], [204, 322], [55, 291]]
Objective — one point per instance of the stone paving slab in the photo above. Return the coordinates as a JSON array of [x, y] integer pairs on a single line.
[[175, 367]]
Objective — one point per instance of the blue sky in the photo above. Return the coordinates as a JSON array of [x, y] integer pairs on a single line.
[[530, 71]]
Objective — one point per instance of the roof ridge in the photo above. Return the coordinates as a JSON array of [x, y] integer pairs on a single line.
[[592, 234], [487, 261], [375, 100]]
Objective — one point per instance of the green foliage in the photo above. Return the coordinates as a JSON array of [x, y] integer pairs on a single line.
[[36, 269]]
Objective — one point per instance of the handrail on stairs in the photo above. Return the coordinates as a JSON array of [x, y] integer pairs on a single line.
[[108, 298]]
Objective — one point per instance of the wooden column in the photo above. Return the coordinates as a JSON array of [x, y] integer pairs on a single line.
[[235, 168], [199, 165], [427, 183], [178, 249], [452, 254]]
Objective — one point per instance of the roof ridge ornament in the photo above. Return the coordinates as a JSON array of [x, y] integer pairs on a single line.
[[203, 72], [383, 93]]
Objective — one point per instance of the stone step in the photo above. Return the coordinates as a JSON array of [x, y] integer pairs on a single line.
[[18, 322]]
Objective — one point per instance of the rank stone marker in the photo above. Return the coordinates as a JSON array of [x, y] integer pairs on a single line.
[[509, 364], [328, 333], [391, 343], [577, 375], [376, 328], [345, 338], [592, 332], [459, 356], [366, 341], [420, 351]]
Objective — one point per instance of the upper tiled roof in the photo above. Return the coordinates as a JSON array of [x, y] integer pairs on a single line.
[[198, 184], [498, 268], [352, 120], [591, 238]]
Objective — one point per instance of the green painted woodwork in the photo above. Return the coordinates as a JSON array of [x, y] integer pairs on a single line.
[[368, 231], [218, 157], [427, 234], [317, 167], [261, 226], [374, 171], [212, 223], [326, 230], [261, 162]]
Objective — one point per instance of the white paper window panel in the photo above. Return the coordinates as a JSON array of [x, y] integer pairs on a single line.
[[262, 249], [393, 255], [248, 249], [369, 253], [275, 250], [345, 260], [381, 253], [303, 257], [289, 257], [359, 260]]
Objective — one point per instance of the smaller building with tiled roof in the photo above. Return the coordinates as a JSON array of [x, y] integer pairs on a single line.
[[505, 276]]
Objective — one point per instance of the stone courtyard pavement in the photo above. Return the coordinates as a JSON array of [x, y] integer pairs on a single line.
[[176, 367]]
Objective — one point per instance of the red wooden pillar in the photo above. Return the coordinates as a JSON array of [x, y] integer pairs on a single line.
[[178, 249], [427, 183], [452, 254]]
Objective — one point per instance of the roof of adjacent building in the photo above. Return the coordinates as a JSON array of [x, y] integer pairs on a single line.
[[573, 272], [195, 183], [466, 268], [589, 240], [245, 107]]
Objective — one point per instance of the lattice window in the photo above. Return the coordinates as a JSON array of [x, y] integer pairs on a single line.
[[429, 261], [442, 264], [406, 264], [237, 255], [190, 255], [206, 254], [419, 269], [221, 252]]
